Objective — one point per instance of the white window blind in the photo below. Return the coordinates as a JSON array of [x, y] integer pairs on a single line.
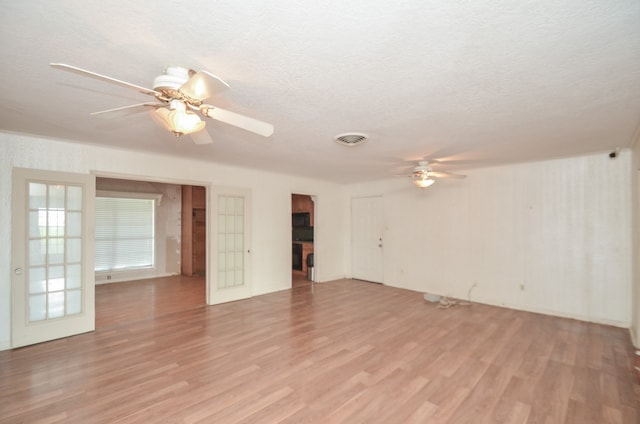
[[125, 229]]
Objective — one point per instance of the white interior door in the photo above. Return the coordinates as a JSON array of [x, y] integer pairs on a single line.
[[52, 279], [366, 239], [231, 276]]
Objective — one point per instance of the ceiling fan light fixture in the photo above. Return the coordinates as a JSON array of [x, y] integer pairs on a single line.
[[423, 181], [177, 120], [161, 116], [185, 122]]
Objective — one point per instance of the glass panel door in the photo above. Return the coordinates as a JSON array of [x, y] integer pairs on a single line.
[[231, 245], [52, 278]]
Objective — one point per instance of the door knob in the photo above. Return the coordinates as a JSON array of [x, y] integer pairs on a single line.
[[18, 271]]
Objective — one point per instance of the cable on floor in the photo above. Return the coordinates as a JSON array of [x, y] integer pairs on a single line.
[[446, 303]]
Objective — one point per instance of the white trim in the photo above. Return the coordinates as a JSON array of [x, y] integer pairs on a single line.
[[129, 195]]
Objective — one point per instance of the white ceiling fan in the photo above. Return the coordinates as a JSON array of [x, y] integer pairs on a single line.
[[423, 175], [180, 94]]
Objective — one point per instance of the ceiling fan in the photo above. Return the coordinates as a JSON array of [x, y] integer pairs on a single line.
[[180, 94], [423, 175]]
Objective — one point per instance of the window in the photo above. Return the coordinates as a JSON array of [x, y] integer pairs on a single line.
[[125, 231]]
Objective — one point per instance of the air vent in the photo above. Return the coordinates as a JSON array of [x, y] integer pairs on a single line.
[[351, 139]]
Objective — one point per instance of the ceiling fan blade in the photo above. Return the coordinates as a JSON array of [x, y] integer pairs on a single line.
[[101, 77], [201, 137], [453, 162], [443, 174], [203, 85], [126, 110], [246, 123]]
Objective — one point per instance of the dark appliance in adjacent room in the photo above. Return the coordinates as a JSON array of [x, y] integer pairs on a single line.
[[297, 256], [310, 273], [301, 220]]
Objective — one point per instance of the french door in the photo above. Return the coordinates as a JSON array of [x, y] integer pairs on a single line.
[[52, 276], [231, 228], [366, 239]]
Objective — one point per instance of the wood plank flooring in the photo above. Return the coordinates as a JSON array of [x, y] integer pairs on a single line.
[[338, 352]]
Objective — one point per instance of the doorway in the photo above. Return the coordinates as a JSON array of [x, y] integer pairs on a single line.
[[175, 229], [193, 246], [303, 239]]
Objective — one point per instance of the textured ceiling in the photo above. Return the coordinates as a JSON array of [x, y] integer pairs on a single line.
[[470, 83]]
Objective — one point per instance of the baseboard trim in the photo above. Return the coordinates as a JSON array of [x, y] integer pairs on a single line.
[[133, 278], [560, 314]]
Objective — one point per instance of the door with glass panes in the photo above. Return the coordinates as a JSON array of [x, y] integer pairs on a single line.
[[52, 279], [231, 277]]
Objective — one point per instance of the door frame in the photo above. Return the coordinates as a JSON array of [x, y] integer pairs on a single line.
[[210, 217], [314, 200], [177, 181]]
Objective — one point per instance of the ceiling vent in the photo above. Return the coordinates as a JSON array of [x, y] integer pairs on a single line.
[[351, 139]]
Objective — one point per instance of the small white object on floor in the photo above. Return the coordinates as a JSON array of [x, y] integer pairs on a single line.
[[431, 297]]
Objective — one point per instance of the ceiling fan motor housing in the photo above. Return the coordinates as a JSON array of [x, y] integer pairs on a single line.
[[173, 78], [422, 168]]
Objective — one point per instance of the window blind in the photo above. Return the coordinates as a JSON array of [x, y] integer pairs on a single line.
[[125, 229]]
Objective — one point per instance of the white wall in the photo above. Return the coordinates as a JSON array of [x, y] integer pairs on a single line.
[[551, 237], [271, 199]]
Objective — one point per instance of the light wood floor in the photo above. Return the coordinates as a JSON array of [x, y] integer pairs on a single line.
[[339, 352]]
